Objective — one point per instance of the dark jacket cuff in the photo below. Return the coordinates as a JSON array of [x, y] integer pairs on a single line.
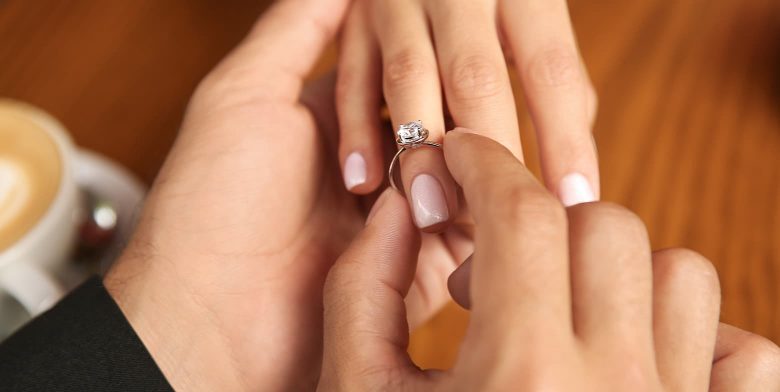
[[84, 343]]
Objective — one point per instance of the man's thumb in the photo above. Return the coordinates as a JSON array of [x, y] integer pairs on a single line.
[[365, 317]]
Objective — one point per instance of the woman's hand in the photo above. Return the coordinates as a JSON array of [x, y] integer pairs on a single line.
[[561, 300], [417, 48]]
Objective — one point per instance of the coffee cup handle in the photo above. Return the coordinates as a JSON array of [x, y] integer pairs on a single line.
[[35, 290]]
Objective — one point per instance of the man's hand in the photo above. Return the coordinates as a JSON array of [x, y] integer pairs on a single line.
[[223, 278], [561, 300]]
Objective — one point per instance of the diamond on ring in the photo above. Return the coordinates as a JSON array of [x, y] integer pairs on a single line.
[[411, 134]]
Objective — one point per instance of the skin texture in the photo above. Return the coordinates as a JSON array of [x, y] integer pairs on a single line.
[[433, 58], [561, 299], [445, 61], [223, 279]]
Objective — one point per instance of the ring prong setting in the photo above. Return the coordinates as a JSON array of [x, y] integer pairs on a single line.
[[411, 134]]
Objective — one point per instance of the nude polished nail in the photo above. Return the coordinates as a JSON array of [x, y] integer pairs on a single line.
[[354, 170], [575, 189], [428, 201]]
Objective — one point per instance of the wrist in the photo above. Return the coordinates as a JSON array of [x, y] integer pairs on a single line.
[[181, 335]]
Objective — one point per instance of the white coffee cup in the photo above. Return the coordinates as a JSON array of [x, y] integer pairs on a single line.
[[30, 265]]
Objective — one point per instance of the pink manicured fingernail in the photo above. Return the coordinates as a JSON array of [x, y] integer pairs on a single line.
[[575, 189], [354, 170], [428, 201]]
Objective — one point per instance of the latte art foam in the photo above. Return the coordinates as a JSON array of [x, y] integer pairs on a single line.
[[14, 191], [30, 171]]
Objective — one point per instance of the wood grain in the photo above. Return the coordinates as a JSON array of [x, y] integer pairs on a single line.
[[688, 130]]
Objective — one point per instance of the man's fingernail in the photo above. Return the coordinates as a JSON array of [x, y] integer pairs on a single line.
[[377, 205], [430, 205], [354, 170], [575, 189]]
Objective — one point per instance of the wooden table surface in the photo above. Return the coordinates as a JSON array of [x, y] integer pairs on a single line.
[[688, 130]]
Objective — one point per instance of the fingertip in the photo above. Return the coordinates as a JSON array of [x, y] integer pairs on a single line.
[[390, 205], [451, 204], [461, 133], [458, 284], [574, 188], [464, 149], [434, 201], [570, 166], [380, 201], [355, 170], [364, 292], [361, 172], [456, 133]]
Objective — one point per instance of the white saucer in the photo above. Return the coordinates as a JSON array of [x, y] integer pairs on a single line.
[[108, 181]]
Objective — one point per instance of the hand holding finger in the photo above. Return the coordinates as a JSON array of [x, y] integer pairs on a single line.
[[366, 334], [520, 234], [556, 309]]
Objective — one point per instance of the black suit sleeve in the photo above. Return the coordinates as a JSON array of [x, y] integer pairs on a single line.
[[84, 343]]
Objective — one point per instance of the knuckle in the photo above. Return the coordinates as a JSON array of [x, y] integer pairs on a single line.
[[476, 77], [216, 83], [520, 205], [634, 371], [406, 68], [556, 66], [636, 383], [533, 376], [760, 355], [685, 265], [633, 379]]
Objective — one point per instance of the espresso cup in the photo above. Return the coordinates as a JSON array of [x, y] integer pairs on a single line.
[[41, 206]]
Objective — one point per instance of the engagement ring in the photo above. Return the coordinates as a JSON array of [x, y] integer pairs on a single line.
[[410, 136]]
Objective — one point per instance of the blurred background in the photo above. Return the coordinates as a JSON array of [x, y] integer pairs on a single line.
[[688, 130]]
